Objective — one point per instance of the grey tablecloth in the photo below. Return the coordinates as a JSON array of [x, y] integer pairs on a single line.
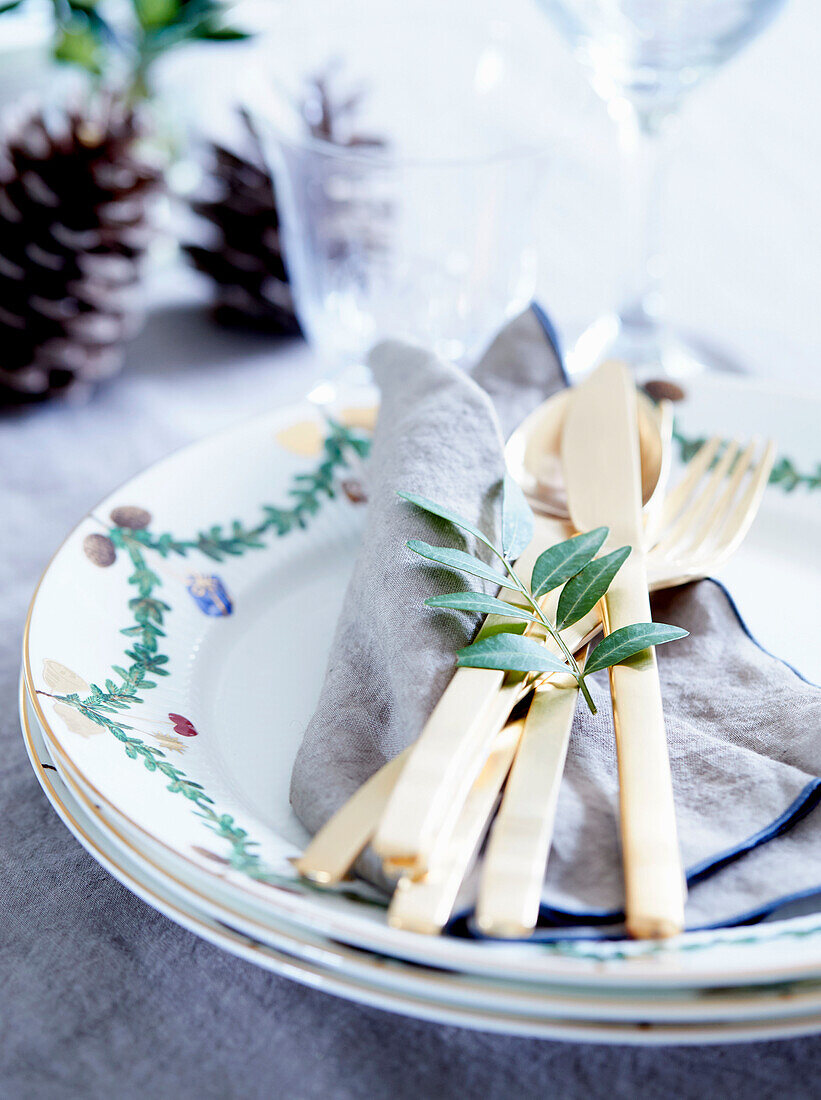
[[102, 997]]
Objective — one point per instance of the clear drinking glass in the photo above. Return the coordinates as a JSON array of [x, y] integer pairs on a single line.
[[643, 57], [428, 235]]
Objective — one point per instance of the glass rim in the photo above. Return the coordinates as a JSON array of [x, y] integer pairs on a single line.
[[376, 157], [254, 103]]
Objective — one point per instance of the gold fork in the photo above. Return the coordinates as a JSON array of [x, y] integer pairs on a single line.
[[703, 494]]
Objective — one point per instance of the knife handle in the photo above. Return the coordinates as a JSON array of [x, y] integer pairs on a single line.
[[454, 744], [449, 754], [654, 880], [513, 867], [426, 904], [342, 839]]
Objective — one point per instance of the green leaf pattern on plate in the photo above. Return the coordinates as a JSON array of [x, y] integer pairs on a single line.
[[107, 706]]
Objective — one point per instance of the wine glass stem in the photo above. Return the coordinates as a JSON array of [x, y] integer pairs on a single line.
[[642, 135]]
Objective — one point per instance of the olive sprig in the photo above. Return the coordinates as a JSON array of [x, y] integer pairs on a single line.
[[572, 565]]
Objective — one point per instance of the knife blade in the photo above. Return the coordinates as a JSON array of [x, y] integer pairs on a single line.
[[600, 455]]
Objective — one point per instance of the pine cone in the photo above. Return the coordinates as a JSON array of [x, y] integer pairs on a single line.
[[72, 229], [245, 258], [246, 263]]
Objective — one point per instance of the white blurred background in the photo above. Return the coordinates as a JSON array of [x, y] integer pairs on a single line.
[[743, 230]]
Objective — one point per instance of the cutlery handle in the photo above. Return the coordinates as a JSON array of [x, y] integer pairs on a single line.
[[337, 845], [517, 851], [425, 904], [449, 753], [457, 739], [452, 747], [654, 880], [340, 841], [441, 768]]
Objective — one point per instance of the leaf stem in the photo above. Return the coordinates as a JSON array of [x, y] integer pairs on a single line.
[[550, 628]]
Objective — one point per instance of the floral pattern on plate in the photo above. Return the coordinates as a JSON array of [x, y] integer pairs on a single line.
[[114, 707]]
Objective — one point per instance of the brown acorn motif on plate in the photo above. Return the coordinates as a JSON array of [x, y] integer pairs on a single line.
[[115, 702], [663, 389], [99, 549], [130, 517]]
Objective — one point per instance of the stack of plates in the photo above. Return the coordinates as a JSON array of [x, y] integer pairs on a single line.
[[174, 652]]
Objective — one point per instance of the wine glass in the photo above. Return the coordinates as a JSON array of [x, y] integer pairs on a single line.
[[410, 214], [643, 57]]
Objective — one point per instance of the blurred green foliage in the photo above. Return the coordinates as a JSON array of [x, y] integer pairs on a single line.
[[124, 48]]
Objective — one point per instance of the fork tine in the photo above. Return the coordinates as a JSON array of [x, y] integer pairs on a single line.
[[693, 472], [740, 519], [721, 508], [701, 501]]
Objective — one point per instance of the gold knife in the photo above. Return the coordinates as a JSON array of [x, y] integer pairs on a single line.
[[425, 904], [518, 846], [600, 454]]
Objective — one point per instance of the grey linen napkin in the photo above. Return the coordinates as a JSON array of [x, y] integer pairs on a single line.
[[742, 726]]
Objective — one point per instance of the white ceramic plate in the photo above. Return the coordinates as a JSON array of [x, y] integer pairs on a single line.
[[200, 766], [436, 996], [662, 1005]]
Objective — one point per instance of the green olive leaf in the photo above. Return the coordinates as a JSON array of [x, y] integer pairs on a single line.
[[478, 601], [517, 520], [627, 641], [444, 513], [583, 592], [565, 560], [457, 559], [79, 45], [219, 34], [510, 653]]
